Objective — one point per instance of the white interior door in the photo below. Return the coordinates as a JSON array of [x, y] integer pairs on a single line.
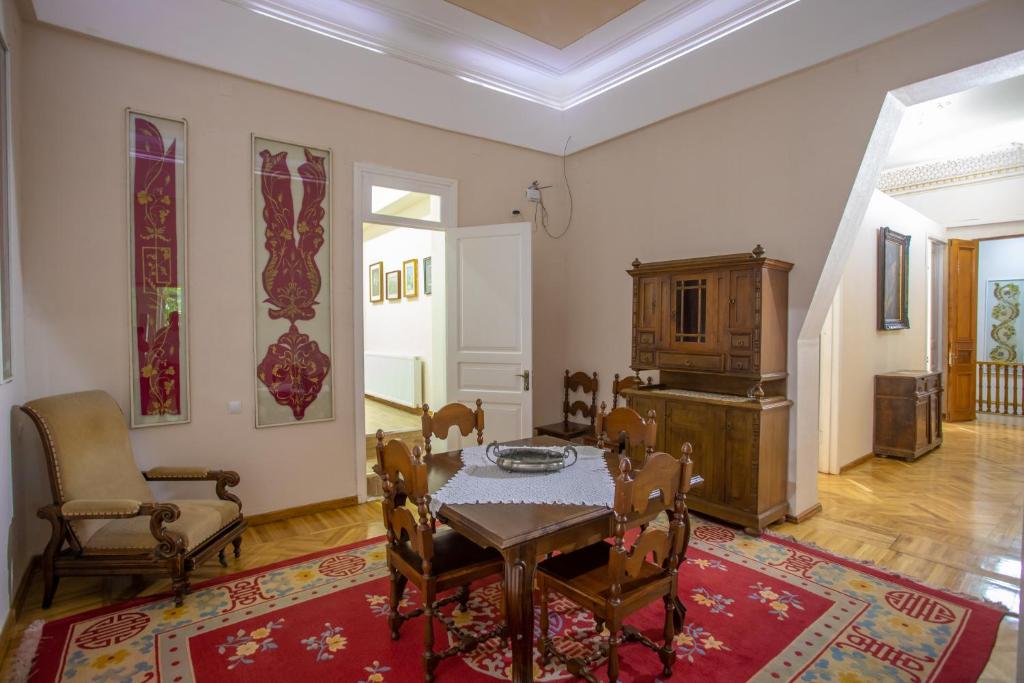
[[488, 273]]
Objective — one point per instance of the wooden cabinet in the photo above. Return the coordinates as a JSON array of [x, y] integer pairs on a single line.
[[908, 413], [716, 330], [740, 447]]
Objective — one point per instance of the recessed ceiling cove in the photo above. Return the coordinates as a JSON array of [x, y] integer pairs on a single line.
[[440, 64]]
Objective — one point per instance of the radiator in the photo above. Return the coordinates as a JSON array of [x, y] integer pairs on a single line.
[[398, 379]]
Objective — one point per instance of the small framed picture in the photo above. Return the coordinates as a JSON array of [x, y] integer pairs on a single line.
[[377, 282], [428, 275], [393, 285], [411, 278]]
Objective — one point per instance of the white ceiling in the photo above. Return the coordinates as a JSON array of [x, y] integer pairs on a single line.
[[432, 62], [1000, 200], [964, 155], [970, 122]]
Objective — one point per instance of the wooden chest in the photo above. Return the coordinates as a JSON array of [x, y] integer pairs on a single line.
[[908, 413]]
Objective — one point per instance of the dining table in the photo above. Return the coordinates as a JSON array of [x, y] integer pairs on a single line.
[[524, 533]]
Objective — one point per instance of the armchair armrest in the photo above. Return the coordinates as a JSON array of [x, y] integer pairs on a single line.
[[176, 473], [224, 479], [168, 543], [87, 508]]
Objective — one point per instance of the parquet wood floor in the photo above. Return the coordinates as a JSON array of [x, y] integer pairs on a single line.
[[382, 416], [952, 519]]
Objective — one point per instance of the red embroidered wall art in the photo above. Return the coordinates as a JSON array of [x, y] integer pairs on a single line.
[[293, 323], [156, 171]]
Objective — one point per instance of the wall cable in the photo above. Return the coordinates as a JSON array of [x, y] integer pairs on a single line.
[[541, 212]]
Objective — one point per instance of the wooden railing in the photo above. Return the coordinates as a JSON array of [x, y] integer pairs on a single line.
[[1000, 388]]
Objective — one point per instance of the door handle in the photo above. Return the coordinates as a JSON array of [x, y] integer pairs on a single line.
[[526, 379]]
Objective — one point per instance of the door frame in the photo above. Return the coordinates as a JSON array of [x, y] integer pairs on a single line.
[[364, 175]]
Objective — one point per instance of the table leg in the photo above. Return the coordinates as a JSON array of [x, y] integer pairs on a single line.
[[520, 564]]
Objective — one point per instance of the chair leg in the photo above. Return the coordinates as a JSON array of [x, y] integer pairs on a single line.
[[667, 654], [613, 652], [544, 644], [463, 598], [398, 582], [429, 659], [237, 543], [50, 581], [56, 542], [180, 585], [222, 558]]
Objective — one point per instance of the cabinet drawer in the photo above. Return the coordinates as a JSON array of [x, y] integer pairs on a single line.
[[690, 361], [740, 341], [739, 363]]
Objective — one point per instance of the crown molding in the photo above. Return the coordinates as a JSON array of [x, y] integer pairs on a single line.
[[1000, 163], [458, 43]]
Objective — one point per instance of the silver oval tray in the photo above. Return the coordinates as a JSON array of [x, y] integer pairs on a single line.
[[530, 458]]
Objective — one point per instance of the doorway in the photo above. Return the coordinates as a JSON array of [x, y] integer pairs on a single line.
[[442, 314], [400, 226]]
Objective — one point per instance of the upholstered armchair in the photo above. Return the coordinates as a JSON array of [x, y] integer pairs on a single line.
[[104, 517]]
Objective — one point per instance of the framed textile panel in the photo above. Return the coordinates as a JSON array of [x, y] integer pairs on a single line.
[[292, 255], [377, 282], [158, 249], [1005, 340], [393, 285], [893, 280], [411, 278]]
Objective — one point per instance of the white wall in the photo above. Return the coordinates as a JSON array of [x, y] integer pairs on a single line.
[[863, 349], [986, 231], [13, 392], [997, 260], [76, 269], [406, 327]]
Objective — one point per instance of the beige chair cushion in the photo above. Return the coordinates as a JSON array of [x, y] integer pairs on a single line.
[[200, 519], [92, 456]]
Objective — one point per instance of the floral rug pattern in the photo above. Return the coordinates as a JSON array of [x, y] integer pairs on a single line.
[[761, 609]]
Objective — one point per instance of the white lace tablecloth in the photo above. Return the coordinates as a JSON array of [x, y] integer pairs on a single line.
[[587, 482]]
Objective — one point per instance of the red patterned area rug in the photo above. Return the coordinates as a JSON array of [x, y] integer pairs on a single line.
[[762, 609]]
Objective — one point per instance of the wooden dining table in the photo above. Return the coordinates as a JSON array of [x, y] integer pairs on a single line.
[[522, 533]]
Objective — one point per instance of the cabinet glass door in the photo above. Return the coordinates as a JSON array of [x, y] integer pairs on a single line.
[[692, 318]]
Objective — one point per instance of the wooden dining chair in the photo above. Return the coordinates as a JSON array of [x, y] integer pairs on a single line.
[[613, 581], [623, 429], [566, 429], [619, 386], [434, 560], [440, 422]]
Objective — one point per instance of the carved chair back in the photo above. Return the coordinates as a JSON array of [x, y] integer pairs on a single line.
[[458, 415], [663, 478], [585, 384], [88, 453], [621, 385], [404, 477], [623, 427]]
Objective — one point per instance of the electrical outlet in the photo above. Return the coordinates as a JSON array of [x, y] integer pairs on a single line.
[[533, 194], [234, 407]]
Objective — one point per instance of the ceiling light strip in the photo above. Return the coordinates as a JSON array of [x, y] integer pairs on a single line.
[[293, 20], [674, 54], [723, 29]]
